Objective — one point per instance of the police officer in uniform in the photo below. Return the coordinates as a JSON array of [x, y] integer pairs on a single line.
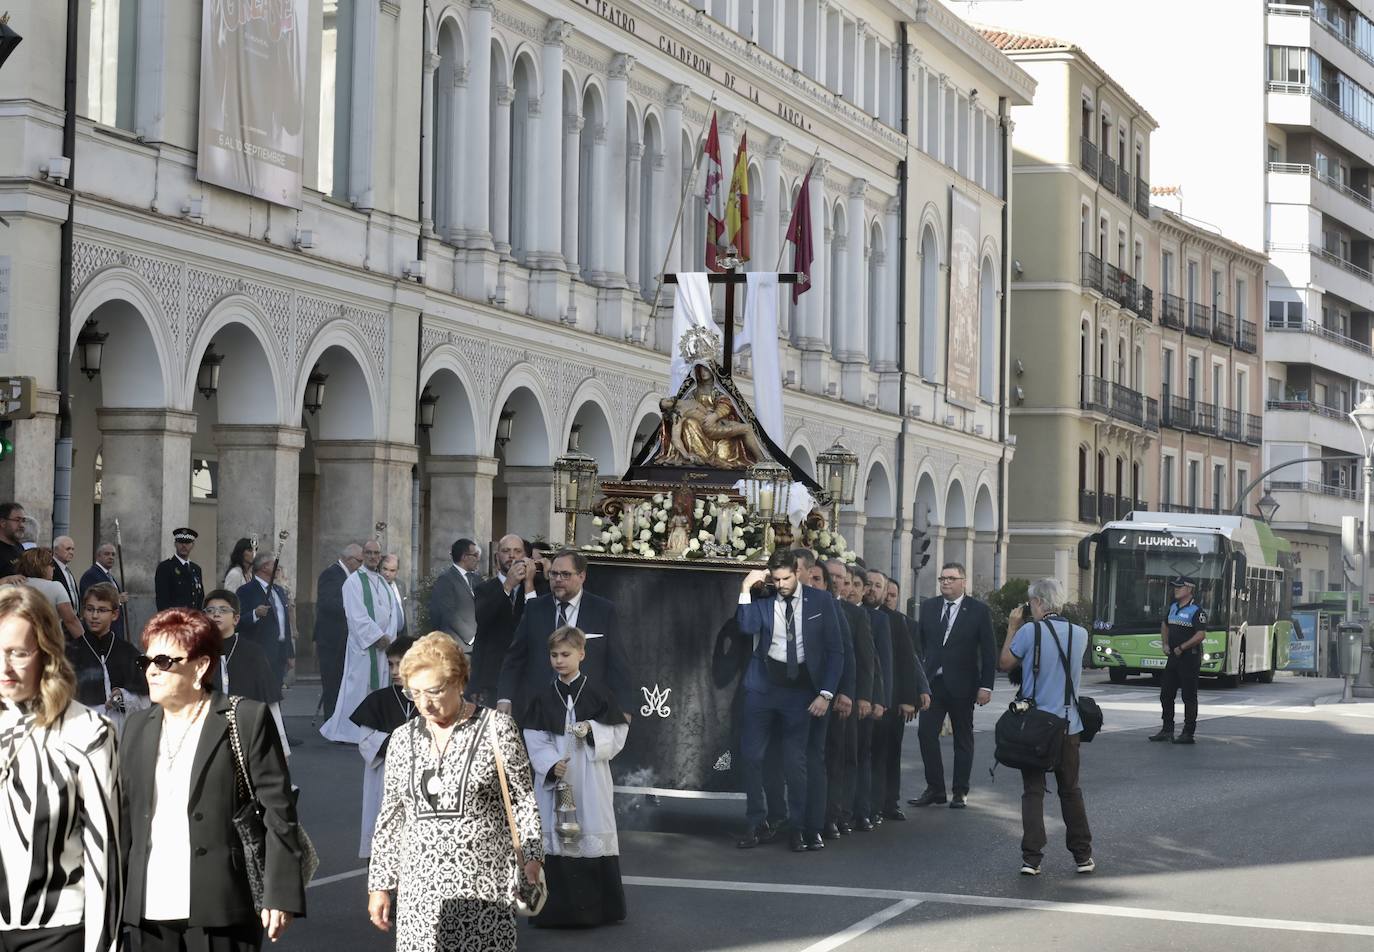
[[178, 581], [1182, 634]]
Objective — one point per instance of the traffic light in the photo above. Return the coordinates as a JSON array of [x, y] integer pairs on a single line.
[[17, 398], [923, 553], [6, 444]]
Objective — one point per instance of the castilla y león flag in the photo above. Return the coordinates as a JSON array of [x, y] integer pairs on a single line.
[[737, 204], [714, 197], [799, 233]]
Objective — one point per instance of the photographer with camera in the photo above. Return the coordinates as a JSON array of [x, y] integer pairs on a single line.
[[499, 604], [1045, 666]]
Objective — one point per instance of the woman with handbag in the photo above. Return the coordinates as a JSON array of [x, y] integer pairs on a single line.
[[1050, 651], [191, 874], [458, 839], [59, 810]]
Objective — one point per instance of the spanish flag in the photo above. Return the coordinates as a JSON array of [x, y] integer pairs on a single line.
[[737, 203]]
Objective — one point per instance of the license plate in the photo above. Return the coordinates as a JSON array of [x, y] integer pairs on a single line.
[[1154, 662]]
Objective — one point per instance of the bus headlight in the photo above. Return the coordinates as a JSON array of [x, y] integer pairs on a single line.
[[1216, 656]]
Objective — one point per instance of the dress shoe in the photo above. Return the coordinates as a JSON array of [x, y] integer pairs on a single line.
[[1184, 737], [748, 841], [877, 819], [927, 798], [798, 841], [831, 831], [814, 842], [768, 833], [1165, 734], [959, 802], [894, 814], [845, 828], [864, 825]]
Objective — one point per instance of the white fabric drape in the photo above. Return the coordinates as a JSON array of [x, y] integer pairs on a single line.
[[761, 334], [691, 308]]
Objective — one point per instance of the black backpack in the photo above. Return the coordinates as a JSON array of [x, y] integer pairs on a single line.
[[1028, 738]]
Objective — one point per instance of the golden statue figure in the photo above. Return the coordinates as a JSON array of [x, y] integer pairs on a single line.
[[707, 430]]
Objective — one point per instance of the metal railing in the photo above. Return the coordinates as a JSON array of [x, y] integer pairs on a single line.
[[1230, 425], [1247, 337], [1171, 311], [1205, 419], [1223, 328], [1087, 156], [1091, 271], [1142, 197], [1199, 320], [1123, 185], [1119, 402], [1145, 302], [1342, 263], [1313, 486], [1304, 89], [1087, 505], [1254, 429], [1107, 171], [1307, 406], [1316, 328], [1116, 285]]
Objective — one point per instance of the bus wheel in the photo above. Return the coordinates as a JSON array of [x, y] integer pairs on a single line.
[[1117, 675], [1234, 680], [1267, 677]]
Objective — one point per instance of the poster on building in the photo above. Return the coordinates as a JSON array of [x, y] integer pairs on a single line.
[[1302, 641], [252, 97], [961, 349]]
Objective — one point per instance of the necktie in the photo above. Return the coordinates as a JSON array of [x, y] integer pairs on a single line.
[[468, 577], [944, 622], [789, 618], [562, 614]]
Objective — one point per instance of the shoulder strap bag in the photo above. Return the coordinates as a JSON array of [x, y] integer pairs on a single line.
[[249, 825], [1028, 738], [1088, 711], [529, 897]]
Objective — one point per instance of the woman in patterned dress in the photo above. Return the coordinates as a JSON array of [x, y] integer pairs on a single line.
[[63, 885], [442, 844]]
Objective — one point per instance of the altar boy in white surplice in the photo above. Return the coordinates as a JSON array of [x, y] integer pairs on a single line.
[[572, 730], [372, 606]]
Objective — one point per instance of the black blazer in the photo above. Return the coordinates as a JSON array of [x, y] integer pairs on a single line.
[[94, 576], [526, 669], [910, 682], [884, 677], [331, 626], [263, 631], [497, 616], [864, 663], [178, 586], [452, 607], [219, 881], [970, 658]]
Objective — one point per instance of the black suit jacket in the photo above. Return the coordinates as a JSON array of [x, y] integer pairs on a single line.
[[865, 670], [884, 677], [178, 586], [331, 627], [94, 576], [264, 631], [452, 607], [219, 882], [969, 659], [497, 615], [910, 678], [526, 669]]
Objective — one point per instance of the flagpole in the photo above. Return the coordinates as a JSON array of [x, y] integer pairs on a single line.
[[681, 204], [783, 249]]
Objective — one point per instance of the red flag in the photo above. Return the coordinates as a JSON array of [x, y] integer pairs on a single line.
[[737, 205], [714, 197], [799, 233]]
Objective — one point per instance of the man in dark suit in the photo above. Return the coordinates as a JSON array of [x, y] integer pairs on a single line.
[[178, 582], [526, 669], [265, 618], [103, 571], [961, 660], [795, 660], [331, 625], [845, 771], [499, 604], [910, 692], [63, 551], [820, 769], [452, 600]]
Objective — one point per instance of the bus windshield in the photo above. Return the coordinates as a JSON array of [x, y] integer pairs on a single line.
[[1135, 568]]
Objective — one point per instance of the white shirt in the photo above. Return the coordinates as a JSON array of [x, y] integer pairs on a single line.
[[278, 607], [463, 574], [949, 626], [574, 604], [169, 840], [71, 582], [777, 650]]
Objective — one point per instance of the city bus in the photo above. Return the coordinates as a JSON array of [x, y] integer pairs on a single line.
[[1242, 572]]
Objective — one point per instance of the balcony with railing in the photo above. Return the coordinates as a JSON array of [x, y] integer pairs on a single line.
[[1107, 171], [1231, 425], [1142, 197], [1247, 337], [1179, 412], [1120, 403], [1087, 505], [1116, 284], [1091, 271], [1144, 302], [1223, 328], [1208, 419], [1171, 311], [1254, 429], [1087, 156], [1199, 320], [1123, 186]]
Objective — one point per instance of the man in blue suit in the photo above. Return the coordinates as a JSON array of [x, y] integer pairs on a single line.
[[526, 669], [795, 663], [103, 571], [266, 618]]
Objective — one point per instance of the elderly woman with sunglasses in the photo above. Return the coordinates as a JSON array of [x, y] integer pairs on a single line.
[[59, 804], [442, 844], [188, 886]]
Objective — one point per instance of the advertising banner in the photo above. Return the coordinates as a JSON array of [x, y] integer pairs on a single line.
[[252, 97], [961, 349], [1302, 642]]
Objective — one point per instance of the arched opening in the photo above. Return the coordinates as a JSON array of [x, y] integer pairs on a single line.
[[760, 237], [923, 527], [644, 432], [983, 570], [802, 457], [522, 493], [877, 540], [590, 431], [958, 533], [453, 503]]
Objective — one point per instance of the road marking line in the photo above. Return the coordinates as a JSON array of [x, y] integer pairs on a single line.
[[862, 926], [1003, 902], [337, 877]]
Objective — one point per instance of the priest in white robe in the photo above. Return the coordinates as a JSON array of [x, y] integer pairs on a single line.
[[372, 606]]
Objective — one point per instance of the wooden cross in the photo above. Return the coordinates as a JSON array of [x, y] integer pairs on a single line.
[[731, 277]]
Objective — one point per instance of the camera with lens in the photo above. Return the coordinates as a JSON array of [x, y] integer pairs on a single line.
[[1021, 705]]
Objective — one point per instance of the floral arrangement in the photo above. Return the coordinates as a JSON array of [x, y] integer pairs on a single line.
[[647, 525], [739, 536], [643, 529], [824, 542]]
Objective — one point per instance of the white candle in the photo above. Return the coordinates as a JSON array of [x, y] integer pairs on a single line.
[[766, 501], [836, 484], [572, 493]]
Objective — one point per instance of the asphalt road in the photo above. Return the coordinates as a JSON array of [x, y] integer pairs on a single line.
[[1257, 838]]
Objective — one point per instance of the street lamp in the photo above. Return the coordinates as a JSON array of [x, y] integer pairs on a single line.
[[92, 344], [574, 489], [207, 378], [428, 398], [1267, 506], [314, 390], [504, 425], [1363, 418], [838, 470]]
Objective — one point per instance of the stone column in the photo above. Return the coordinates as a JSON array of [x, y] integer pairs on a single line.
[[546, 211], [942, 132], [959, 547], [613, 242], [361, 483], [852, 522], [822, 16], [501, 170], [672, 169], [28, 476], [854, 340], [456, 105], [427, 145], [529, 501], [634, 155], [593, 258], [259, 489], [459, 504], [767, 235], [938, 553], [981, 572], [572, 159], [878, 543], [860, 70], [146, 485], [885, 347], [476, 132]]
